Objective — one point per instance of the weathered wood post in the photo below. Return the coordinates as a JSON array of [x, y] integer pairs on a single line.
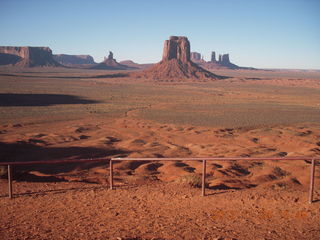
[[10, 180], [203, 178], [311, 181], [111, 174]]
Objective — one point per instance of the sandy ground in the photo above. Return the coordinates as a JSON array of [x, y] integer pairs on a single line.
[[155, 210], [247, 200]]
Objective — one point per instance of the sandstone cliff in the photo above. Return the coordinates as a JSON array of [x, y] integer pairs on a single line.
[[27, 56], [176, 64]]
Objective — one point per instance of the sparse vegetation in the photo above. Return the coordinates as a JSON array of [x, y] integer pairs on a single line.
[[193, 180], [206, 104], [3, 171]]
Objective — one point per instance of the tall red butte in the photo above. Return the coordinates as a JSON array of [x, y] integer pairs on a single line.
[[176, 64]]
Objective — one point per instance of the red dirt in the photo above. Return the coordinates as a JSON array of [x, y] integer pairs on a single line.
[[156, 211]]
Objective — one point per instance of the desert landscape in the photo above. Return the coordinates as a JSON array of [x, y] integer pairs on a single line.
[[62, 113], [72, 107]]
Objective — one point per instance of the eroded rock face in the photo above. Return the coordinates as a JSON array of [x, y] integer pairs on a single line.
[[27, 56], [195, 56], [213, 56], [176, 64], [176, 48], [225, 59]]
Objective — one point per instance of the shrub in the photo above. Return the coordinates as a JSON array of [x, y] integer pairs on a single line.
[[3, 171], [192, 180]]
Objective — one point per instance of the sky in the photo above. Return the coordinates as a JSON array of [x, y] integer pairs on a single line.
[[256, 33]]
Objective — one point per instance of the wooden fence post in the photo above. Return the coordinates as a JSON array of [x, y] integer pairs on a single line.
[[311, 181], [111, 174], [203, 178], [10, 180]]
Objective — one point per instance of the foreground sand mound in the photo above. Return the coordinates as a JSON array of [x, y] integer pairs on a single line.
[[176, 64]]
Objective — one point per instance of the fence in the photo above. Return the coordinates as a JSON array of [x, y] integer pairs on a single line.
[[11, 164], [204, 161]]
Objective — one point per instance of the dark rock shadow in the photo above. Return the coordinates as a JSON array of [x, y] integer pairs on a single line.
[[6, 59], [15, 99]]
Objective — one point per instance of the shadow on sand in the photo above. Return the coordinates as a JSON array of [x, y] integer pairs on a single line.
[[13, 152], [15, 99], [111, 75]]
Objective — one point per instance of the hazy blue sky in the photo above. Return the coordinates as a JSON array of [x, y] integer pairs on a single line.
[[270, 33]]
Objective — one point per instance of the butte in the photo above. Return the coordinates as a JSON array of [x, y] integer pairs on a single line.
[[176, 65]]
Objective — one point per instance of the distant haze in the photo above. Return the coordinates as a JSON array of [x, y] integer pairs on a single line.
[[261, 34]]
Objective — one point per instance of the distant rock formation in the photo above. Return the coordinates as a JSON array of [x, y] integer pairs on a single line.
[[70, 60], [176, 64], [222, 63], [195, 56], [224, 59], [110, 63], [213, 56], [110, 57], [133, 65], [129, 63], [27, 57]]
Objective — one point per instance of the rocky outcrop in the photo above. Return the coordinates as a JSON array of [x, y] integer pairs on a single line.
[[27, 56], [224, 59], [110, 63], [195, 56], [176, 64], [223, 62], [176, 48], [70, 60], [110, 56], [213, 56]]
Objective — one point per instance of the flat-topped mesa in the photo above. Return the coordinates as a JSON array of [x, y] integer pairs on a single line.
[[69, 60], [27, 56], [176, 48]]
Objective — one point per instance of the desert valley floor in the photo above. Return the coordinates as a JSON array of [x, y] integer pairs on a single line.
[[61, 113]]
